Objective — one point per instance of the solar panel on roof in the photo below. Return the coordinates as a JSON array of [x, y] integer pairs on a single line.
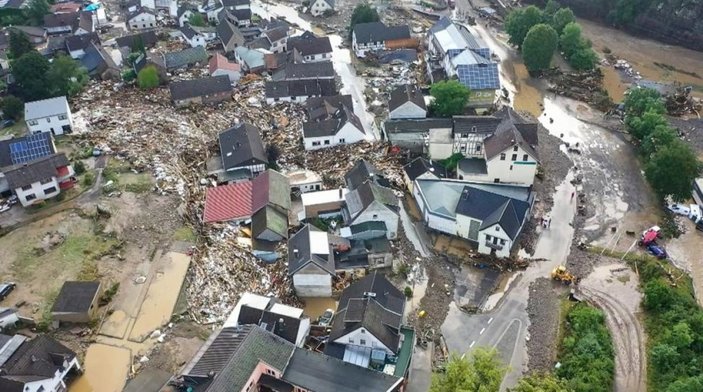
[[31, 148]]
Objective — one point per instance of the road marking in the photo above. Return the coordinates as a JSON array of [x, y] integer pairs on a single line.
[[482, 331], [472, 344], [489, 321]]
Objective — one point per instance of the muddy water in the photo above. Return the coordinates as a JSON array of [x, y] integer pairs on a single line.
[[157, 308], [315, 307], [612, 83], [686, 253], [106, 368]]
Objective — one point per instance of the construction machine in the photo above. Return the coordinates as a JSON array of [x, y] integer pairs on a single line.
[[560, 274]]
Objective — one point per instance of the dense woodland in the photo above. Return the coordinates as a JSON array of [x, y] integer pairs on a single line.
[[677, 22]]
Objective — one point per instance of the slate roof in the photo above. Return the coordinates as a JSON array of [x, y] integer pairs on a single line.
[[38, 139], [420, 125], [233, 355], [381, 314], [76, 297], [96, 59], [259, 43], [185, 57], [379, 32], [138, 11], [241, 146], [316, 372], [34, 171], [60, 20], [226, 31], [149, 39], [287, 329], [301, 88], [310, 44], [492, 208], [304, 256], [321, 69], [269, 218], [508, 135], [199, 87], [270, 187], [406, 93], [234, 3], [78, 42], [473, 166], [85, 21], [333, 125], [363, 196], [45, 108], [183, 9], [476, 124], [276, 33], [363, 171], [320, 108], [188, 31], [421, 165], [38, 359]]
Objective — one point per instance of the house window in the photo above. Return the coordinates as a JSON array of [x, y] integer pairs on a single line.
[[462, 148], [502, 156], [351, 340], [48, 119], [62, 117], [473, 129], [524, 158], [26, 187], [327, 142], [511, 167], [46, 181], [497, 228], [315, 143], [362, 342], [514, 158], [515, 148], [363, 330], [496, 180], [292, 98], [270, 372], [33, 122], [342, 140], [30, 196], [50, 189], [375, 216], [464, 135], [488, 237], [502, 242], [478, 147]]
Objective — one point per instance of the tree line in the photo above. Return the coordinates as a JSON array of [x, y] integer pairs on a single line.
[[538, 33]]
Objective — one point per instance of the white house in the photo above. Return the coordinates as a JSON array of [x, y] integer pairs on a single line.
[[192, 37], [406, 102], [343, 128], [490, 215], [323, 204], [311, 47], [298, 90], [169, 7], [184, 14], [370, 202], [311, 262], [40, 179], [141, 18], [211, 8], [304, 181], [422, 169], [319, 7], [18, 372], [374, 36], [48, 115]]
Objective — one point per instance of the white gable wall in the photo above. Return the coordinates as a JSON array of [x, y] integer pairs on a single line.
[[378, 212], [408, 110], [349, 134], [515, 171], [319, 7], [355, 338], [495, 235]]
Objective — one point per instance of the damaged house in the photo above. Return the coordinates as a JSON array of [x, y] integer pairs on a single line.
[[342, 127], [299, 90], [375, 36], [311, 262], [242, 154], [311, 47], [201, 91]]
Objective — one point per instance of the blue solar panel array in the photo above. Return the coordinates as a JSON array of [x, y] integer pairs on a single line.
[[31, 148]]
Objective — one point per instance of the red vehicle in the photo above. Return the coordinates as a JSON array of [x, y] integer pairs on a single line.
[[649, 237]]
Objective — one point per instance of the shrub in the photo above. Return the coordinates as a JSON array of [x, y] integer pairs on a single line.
[[148, 78]]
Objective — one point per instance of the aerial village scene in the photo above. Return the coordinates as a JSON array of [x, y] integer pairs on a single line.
[[351, 196]]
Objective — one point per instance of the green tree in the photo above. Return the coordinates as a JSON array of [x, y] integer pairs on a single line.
[[540, 382], [570, 40], [450, 98], [549, 10], [664, 356], [481, 372], [138, 44], [680, 336], [148, 77], [197, 19], [538, 47], [661, 136], [640, 100], [657, 295], [519, 22], [30, 74], [672, 169], [687, 385], [584, 59], [67, 76], [642, 127], [19, 44], [363, 13], [12, 107], [562, 18], [36, 11]]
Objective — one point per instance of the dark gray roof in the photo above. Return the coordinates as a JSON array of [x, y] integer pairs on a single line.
[[363, 171], [508, 135], [381, 313], [149, 39], [421, 165], [491, 208], [85, 21], [333, 125], [416, 126], [269, 218], [78, 42], [473, 166], [242, 146], [301, 88], [183, 9], [233, 355], [199, 87], [139, 10], [234, 3], [259, 43], [476, 124], [276, 33], [60, 20], [76, 297], [368, 226], [188, 31], [321, 69], [96, 59], [379, 32], [37, 142], [227, 32], [310, 44], [406, 93], [38, 358], [321, 108], [303, 256], [244, 14], [317, 372], [37, 170], [185, 57], [280, 325]]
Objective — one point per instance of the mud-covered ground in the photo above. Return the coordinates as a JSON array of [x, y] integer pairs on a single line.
[[543, 309]]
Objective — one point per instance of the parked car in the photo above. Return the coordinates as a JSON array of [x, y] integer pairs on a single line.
[[326, 318], [656, 251], [7, 123], [679, 209], [6, 289]]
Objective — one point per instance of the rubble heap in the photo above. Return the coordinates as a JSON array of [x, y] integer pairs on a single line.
[[680, 102], [586, 86]]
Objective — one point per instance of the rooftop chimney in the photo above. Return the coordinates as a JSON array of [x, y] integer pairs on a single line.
[[341, 193]]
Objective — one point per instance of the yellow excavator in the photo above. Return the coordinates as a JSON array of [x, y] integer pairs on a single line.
[[560, 274]]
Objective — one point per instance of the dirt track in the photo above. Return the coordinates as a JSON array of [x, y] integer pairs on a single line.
[[613, 288]]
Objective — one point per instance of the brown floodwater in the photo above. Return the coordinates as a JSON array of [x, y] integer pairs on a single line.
[[106, 369], [613, 84], [528, 97]]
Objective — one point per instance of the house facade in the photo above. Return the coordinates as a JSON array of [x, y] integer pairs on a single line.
[[375, 36], [201, 91], [141, 18], [48, 115], [298, 90], [319, 7], [310, 47], [192, 37], [406, 102], [370, 202], [311, 262], [40, 179], [343, 128]]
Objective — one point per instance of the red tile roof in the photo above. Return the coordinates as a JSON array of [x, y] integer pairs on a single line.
[[228, 202], [219, 61]]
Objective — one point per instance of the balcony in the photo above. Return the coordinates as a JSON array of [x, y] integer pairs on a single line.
[[494, 246]]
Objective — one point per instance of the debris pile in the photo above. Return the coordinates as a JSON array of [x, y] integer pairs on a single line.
[[680, 102], [586, 86]]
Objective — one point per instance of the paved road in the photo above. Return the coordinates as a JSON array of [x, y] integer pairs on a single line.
[[505, 327]]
